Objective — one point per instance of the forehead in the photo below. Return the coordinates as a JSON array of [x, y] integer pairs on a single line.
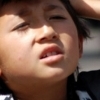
[[24, 5]]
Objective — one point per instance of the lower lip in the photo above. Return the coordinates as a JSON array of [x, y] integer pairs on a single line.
[[52, 59]]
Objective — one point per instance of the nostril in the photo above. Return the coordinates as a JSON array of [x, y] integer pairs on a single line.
[[48, 38], [43, 39], [54, 37]]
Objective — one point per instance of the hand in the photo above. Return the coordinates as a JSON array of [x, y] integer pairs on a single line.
[[87, 8]]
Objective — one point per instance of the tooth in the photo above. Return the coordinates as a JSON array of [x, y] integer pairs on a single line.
[[44, 56], [54, 53], [49, 54]]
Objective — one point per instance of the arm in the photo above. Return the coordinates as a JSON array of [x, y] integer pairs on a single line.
[[87, 8]]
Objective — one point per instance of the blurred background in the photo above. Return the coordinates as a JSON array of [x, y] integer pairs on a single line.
[[91, 52]]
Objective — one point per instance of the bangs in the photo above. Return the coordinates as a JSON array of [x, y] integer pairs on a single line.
[[4, 2]]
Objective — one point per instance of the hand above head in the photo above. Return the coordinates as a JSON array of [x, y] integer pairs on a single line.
[[87, 8]]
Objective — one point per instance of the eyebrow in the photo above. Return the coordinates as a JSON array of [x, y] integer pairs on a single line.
[[53, 7], [24, 12]]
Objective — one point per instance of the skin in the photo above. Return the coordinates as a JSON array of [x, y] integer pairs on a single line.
[[87, 8], [21, 46]]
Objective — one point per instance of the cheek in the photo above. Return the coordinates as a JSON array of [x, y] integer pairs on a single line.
[[71, 47], [69, 38], [71, 52], [17, 60], [15, 52]]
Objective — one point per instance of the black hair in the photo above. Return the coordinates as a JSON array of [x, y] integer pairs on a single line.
[[80, 25], [3, 88], [4, 2]]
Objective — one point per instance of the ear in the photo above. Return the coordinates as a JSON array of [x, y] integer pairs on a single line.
[[80, 46]]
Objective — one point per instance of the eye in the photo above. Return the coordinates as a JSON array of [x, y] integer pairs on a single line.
[[21, 27], [57, 18]]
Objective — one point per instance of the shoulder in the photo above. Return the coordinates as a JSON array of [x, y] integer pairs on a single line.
[[88, 85]]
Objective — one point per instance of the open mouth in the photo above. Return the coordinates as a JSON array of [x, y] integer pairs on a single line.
[[50, 51], [51, 54], [48, 54]]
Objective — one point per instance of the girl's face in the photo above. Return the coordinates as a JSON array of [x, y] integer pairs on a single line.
[[38, 41]]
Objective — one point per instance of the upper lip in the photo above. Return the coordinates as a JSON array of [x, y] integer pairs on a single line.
[[51, 48]]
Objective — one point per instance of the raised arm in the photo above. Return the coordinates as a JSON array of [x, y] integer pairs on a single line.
[[87, 8]]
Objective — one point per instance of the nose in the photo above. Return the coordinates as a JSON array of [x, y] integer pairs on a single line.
[[46, 33]]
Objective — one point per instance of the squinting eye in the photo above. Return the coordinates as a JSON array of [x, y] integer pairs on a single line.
[[57, 18], [21, 27]]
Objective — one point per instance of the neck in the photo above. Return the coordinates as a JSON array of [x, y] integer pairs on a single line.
[[53, 92]]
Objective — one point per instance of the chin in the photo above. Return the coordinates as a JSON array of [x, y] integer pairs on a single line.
[[55, 75]]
